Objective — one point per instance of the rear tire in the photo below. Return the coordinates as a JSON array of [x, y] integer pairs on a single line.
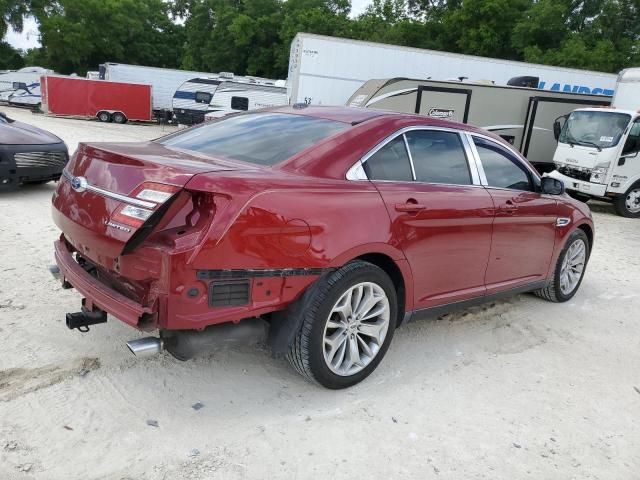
[[104, 117], [118, 117], [628, 204], [567, 276], [347, 326]]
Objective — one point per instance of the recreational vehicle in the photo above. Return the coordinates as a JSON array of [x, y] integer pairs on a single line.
[[21, 81], [26, 95], [327, 70], [523, 116], [201, 98], [164, 82]]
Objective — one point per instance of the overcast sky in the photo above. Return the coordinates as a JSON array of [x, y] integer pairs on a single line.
[[29, 36]]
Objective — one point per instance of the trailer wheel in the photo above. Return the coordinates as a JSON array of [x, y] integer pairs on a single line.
[[119, 117], [104, 117]]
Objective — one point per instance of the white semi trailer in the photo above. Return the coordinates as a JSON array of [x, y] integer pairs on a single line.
[[164, 82], [598, 152], [327, 70]]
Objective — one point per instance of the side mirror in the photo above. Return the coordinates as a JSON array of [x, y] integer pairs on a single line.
[[552, 186], [556, 129]]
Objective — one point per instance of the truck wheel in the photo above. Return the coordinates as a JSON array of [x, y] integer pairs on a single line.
[[628, 204], [104, 117], [347, 326], [569, 270], [118, 117]]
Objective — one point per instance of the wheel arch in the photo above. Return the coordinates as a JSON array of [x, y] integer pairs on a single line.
[[391, 268], [588, 231]]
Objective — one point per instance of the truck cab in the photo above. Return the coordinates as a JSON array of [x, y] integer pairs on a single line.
[[598, 149]]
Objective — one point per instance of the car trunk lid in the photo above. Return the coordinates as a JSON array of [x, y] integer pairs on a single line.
[[105, 183]]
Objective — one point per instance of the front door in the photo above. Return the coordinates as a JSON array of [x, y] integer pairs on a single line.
[[441, 217], [524, 229]]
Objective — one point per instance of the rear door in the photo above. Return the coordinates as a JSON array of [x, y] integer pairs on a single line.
[[524, 228], [440, 214]]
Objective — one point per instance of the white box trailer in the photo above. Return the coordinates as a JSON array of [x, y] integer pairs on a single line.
[[164, 82], [628, 90], [327, 70]]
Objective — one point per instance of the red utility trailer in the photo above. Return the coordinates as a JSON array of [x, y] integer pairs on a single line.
[[108, 101]]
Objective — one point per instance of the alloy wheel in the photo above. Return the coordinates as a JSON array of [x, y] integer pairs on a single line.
[[356, 328], [573, 266]]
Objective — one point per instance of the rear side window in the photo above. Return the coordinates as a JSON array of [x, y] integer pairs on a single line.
[[391, 162], [438, 157], [262, 138], [239, 103], [500, 168]]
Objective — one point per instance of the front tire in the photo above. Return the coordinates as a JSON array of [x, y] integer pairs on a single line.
[[570, 268], [628, 204], [347, 327]]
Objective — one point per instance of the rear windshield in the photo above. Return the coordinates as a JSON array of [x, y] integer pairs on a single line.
[[263, 138]]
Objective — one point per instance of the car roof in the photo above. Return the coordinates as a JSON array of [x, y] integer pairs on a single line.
[[339, 114], [357, 115]]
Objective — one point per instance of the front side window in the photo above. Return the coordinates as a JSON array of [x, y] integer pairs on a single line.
[[501, 169], [438, 157], [594, 129], [263, 138], [203, 97], [239, 103], [391, 162], [632, 143]]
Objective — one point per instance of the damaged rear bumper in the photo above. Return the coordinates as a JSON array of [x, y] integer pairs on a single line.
[[97, 294]]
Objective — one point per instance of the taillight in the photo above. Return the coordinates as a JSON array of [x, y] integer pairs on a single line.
[[155, 193]]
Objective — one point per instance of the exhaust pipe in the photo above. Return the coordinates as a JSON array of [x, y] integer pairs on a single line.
[[145, 347]]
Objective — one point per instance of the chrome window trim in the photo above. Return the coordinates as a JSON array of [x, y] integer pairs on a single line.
[[413, 168], [354, 174], [533, 173], [112, 195], [472, 159]]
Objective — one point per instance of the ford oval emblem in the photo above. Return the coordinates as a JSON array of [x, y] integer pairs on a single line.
[[79, 184]]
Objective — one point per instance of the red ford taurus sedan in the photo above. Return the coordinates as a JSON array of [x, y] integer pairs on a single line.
[[331, 227]]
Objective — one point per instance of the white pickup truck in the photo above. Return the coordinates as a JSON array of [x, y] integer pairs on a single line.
[[598, 149]]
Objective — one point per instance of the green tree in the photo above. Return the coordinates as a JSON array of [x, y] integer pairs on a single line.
[[10, 58], [12, 13], [483, 27], [230, 35], [78, 35], [595, 34]]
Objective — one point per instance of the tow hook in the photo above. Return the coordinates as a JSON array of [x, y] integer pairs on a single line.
[[81, 320]]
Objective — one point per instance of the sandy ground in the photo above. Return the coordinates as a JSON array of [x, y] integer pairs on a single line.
[[515, 389]]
